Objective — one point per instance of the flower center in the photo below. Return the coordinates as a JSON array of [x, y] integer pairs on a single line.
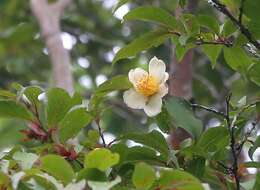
[[147, 86]]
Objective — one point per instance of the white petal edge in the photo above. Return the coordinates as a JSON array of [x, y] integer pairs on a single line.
[[134, 99], [135, 75], [157, 69], [153, 106], [163, 90]]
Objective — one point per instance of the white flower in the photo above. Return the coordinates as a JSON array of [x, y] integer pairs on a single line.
[[148, 88]]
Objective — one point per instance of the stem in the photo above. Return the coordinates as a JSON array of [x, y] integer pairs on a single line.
[[223, 9], [231, 130], [241, 11], [209, 109], [100, 133]]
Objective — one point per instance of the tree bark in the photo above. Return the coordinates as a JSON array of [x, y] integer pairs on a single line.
[[48, 16]]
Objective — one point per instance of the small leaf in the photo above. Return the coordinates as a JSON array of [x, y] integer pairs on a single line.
[[95, 159], [180, 51], [236, 58], [11, 109], [59, 103], [253, 148], [213, 139], [143, 176], [153, 139], [212, 51], [148, 40], [58, 167], [183, 117], [209, 22], [73, 122], [176, 179], [91, 174], [253, 73], [32, 93], [95, 185], [26, 160], [153, 14]]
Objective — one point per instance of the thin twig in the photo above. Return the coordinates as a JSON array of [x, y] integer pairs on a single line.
[[241, 11], [101, 133], [223, 9], [231, 129], [222, 114]]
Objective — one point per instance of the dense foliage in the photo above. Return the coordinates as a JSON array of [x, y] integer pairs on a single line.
[[64, 145]]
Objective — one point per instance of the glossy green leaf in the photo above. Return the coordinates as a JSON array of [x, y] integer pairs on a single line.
[[148, 40], [176, 179], [59, 103], [196, 166], [183, 117], [237, 58], [101, 159], [253, 73], [213, 139], [32, 93], [96, 185], [209, 22], [143, 176], [91, 174], [73, 122], [153, 14], [212, 52], [58, 167], [11, 109], [163, 120], [153, 139]]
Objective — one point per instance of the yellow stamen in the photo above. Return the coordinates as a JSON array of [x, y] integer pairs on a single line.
[[147, 86]]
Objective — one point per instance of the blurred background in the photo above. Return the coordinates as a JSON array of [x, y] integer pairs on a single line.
[[92, 34]]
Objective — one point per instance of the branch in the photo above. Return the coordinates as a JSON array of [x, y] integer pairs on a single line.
[[231, 130], [223, 9], [241, 11], [222, 114], [101, 133]]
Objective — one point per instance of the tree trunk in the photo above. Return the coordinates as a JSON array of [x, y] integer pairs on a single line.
[[48, 16]]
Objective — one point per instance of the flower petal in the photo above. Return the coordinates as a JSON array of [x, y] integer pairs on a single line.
[[133, 99], [163, 90], [157, 69], [166, 77], [135, 75], [154, 105]]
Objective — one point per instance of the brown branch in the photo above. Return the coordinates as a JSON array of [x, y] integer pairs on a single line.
[[223, 9], [48, 16]]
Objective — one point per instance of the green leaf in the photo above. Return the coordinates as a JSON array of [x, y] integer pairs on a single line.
[[148, 40], [253, 148], [32, 93], [253, 73], [237, 58], [209, 22], [73, 122], [180, 51], [196, 166], [58, 167], [59, 103], [212, 51], [26, 160], [228, 28], [213, 139], [138, 154], [95, 185], [252, 164], [183, 117], [101, 159], [91, 174], [191, 24], [163, 120], [143, 176], [7, 94], [119, 82], [152, 14], [176, 179], [153, 139], [119, 4], [11, 109]]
